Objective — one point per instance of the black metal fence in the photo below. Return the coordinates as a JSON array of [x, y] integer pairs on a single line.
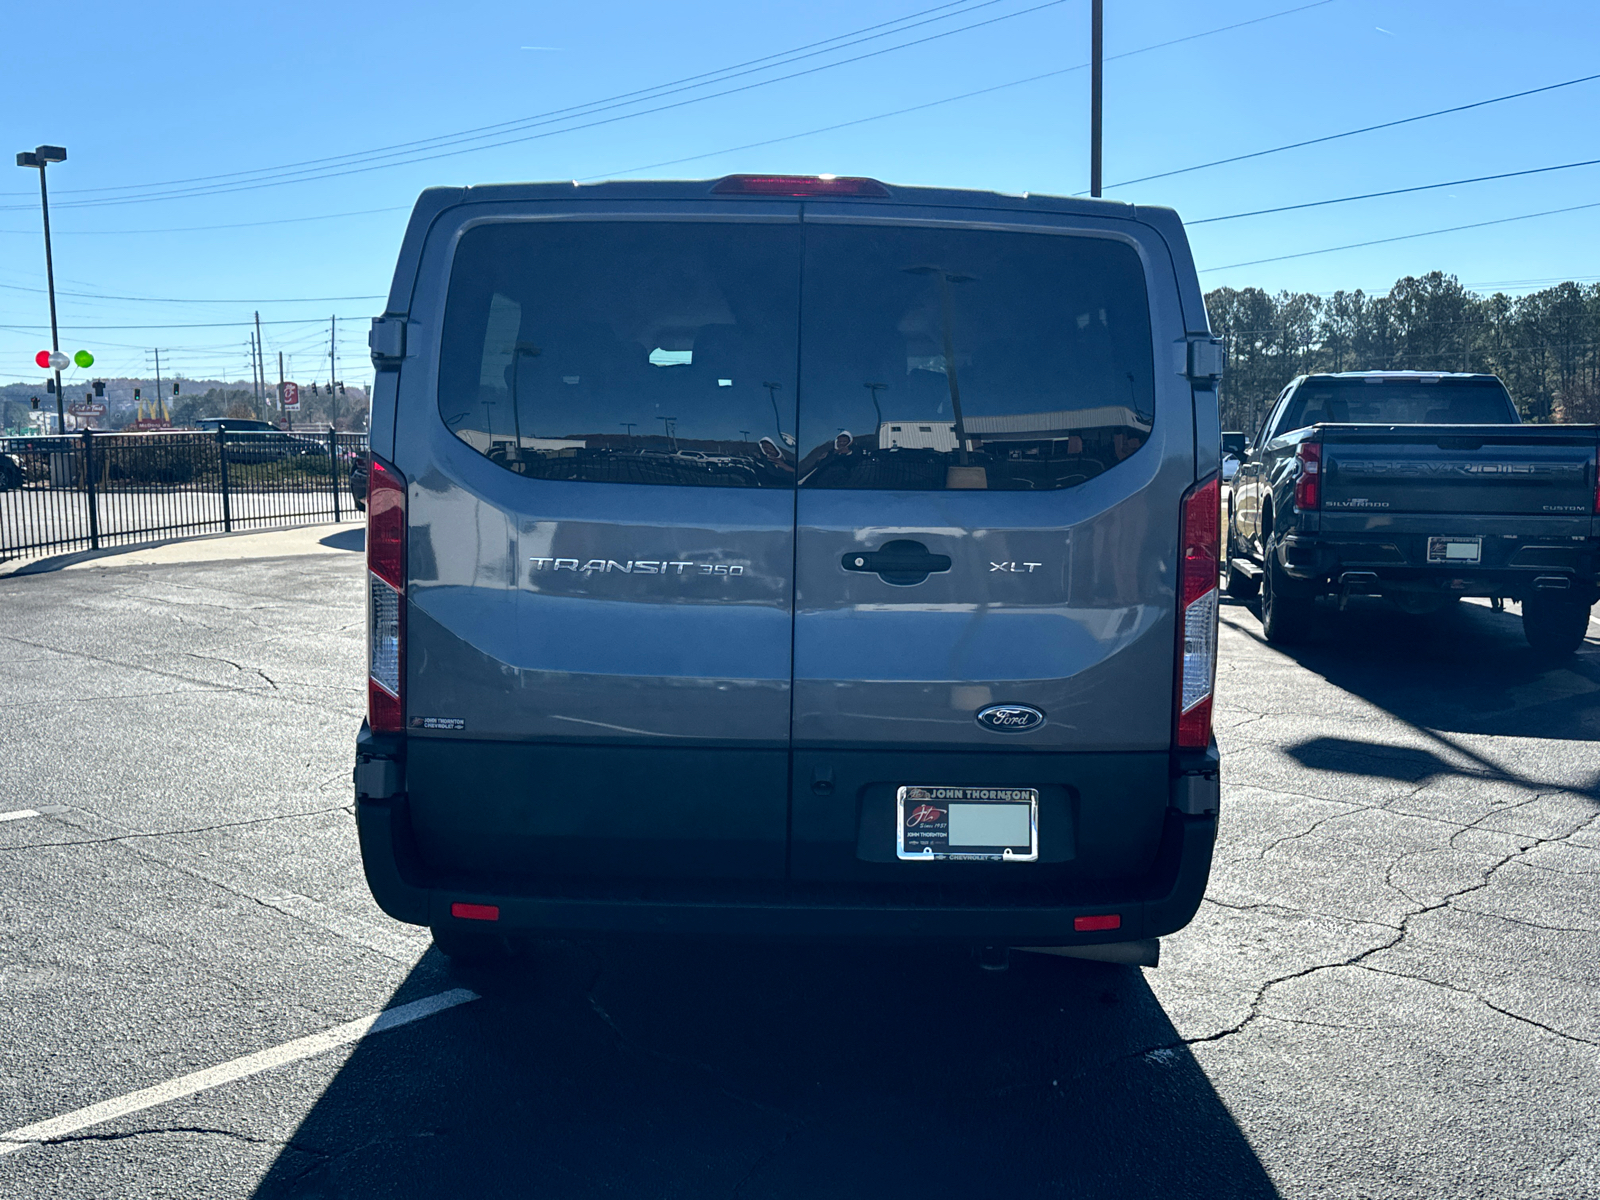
[[88, 490]]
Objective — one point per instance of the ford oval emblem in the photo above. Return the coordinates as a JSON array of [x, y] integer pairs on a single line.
[[1010, 718]]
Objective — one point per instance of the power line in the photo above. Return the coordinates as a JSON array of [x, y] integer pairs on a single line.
[[1333, 137], [485, 130], [364, 212], [205, 325], [1424, 187], [1405, 237], [303, 176], [900, 112], [177, 300]]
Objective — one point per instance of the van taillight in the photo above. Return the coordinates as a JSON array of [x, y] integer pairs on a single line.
[[1198, 563], [1308, 483], [386, 588]]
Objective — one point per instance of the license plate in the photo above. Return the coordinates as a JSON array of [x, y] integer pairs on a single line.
[[1455, 549], [973, 824]]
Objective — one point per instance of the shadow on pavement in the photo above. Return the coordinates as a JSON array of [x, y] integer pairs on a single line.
[[346, 539], [1405, 763], [1464, 671], [692, 1070]]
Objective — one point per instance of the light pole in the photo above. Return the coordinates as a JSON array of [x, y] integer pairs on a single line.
[[39, 157]]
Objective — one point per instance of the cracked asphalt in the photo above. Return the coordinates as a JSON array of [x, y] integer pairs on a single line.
[[1392, 990]]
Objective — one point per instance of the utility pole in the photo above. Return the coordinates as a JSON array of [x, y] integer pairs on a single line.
[[255, 377], [1096, 80], [158, 378], [261, 363], [287, 415], [333, 372]]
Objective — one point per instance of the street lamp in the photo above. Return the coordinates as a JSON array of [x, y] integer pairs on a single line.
[[39, 157]]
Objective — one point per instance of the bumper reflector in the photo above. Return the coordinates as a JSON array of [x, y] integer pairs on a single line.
[[1097, 923], [475, 912]]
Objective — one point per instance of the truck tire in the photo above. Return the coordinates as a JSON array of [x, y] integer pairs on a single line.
[[1285, 619], [1235, 582], [1554, 626]]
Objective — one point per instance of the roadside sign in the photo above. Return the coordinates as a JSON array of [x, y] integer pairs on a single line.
[[291, 396], [87, 410]]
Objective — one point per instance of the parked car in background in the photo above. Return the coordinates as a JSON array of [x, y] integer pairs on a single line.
[[12, 474], [252, 441], [359, 470], [699, 603], [1421, 488]]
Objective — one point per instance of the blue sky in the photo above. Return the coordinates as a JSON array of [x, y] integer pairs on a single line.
[[144, 96]]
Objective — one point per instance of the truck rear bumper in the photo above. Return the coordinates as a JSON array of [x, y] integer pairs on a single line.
[[1160, 904], [1388, 563]]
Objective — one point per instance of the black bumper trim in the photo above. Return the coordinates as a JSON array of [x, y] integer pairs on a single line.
[[1176, 887]]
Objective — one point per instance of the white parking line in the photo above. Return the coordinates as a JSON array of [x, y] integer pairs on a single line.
[[32, 812], [228, 1072]]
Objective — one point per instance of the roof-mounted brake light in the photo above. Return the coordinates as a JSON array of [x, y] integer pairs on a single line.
[[798, 185]]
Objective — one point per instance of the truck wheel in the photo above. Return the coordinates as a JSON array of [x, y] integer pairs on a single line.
[[1235, 582], [1554, 626], [1284, 619], [471, 947]]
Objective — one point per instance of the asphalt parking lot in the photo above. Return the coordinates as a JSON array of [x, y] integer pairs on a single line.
[[1393, 989]]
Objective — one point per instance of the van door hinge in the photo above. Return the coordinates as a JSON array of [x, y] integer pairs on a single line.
[[387, 339], [1195, 795], [1200, 361], [377, 778]]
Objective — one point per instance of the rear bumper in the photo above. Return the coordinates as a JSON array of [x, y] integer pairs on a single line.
[[1160, 903], [1388, 562], [1167, 904]]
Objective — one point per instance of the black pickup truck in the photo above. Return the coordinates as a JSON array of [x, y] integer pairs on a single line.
[[1421, 488]]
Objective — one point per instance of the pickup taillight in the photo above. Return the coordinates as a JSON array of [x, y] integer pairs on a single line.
[[386, 597], [1199, 559], [1308, 483]]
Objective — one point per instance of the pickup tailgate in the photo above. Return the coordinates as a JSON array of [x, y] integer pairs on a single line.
[[1543, 470]]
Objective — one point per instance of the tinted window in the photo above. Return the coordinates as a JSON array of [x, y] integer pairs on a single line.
[[1399, 402], [619, 352], [938, 358]]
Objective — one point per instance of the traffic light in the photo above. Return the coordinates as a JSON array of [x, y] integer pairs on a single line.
[[136, 394], [50, 386], [341, 387], [35, 400], [314, 391], [174, 389], [99, 387]]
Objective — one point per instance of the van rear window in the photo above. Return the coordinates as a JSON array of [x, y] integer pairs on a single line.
[[626, 352], [956, 358], [670, 353]]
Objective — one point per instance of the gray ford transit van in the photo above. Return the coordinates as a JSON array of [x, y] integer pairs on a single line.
[[791, 557]]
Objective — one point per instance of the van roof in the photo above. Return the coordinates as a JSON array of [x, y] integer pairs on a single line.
[[704, 189], [433, 201]]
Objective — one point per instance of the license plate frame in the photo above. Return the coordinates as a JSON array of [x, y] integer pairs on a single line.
[[1455, 551], [923, 823]]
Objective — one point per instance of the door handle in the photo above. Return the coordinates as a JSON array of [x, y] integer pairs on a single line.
[[899, 562]]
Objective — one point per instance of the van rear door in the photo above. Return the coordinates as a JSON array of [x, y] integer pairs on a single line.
[[989, 485], [601, 547]]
